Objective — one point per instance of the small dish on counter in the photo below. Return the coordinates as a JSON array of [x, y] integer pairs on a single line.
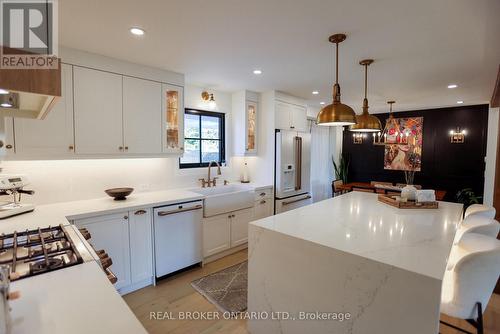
[[119, 194]]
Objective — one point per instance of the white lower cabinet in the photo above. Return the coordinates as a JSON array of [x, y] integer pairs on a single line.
[[225, 231], [126, 237], [216, 234], [141, 246], [263, 208], [239, 226]]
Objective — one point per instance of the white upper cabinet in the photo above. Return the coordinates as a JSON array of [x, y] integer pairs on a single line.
[[245, 113], [142, 117], [108, 108], [173, 119], [98, 112], [283, 116], [290, 116], [299, 118], [53, 135]]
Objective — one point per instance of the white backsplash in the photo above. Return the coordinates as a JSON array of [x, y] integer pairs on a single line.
[[68, 180]]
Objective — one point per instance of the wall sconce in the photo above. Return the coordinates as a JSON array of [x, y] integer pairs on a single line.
[[457, 136], [209, 99], [357, 137]]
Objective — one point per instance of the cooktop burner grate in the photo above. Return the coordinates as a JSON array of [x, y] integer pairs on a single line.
[[34, 252]]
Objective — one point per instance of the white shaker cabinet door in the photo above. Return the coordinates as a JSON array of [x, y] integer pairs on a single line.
[[98, 112], [263, 208], [299, 118], [283, 116], [142, 116], [54, 135], [141, 245], [111, 233], [239, 226], [216, 234]]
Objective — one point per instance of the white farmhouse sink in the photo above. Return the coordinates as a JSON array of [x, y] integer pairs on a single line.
[[222, 199]]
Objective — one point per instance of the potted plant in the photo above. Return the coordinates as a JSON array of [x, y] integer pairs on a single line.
[[467, 197], [342, 168]]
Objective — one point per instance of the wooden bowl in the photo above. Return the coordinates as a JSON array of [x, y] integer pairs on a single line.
[[119, 194]]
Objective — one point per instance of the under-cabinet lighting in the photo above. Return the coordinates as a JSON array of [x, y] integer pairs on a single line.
[[451, 86], [257, 72], [3, 91], [460, 102]]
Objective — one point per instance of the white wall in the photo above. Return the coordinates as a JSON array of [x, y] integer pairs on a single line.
[[491, 155], [67, 180]]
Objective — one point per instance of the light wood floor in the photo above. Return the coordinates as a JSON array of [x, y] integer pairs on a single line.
[[176, 295]]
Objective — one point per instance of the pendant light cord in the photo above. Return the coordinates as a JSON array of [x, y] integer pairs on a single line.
[[337, 63], [366, 79]]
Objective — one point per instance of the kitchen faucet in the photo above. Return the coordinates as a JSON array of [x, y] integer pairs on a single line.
[[210, 182]]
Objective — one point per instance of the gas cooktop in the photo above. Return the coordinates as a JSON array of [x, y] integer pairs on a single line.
[[34, 252]]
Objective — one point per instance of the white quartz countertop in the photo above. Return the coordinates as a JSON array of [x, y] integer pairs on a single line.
[[73, 300], [418, 240], [59, 213]]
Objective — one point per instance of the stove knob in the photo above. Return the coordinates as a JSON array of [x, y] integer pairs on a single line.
[[106, 263], [103, 255], [85, 233], [111, 277]]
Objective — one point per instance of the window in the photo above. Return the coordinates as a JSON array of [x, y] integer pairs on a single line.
[[203, 138]]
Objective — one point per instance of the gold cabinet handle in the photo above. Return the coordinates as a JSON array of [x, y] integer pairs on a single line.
[[120, 148], [263, 201], [126, 148], [8, 146], [140, 212], [71, 147]]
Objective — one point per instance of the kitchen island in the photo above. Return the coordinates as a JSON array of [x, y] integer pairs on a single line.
[[350, 264]]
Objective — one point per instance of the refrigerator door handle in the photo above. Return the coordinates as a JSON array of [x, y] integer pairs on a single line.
[[298, 163], [296, 200]]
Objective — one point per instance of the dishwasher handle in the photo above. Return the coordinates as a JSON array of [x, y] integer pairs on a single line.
[[166, 213]]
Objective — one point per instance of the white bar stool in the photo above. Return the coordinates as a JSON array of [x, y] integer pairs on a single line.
[[480, 209], [477, 224], [469, 283]]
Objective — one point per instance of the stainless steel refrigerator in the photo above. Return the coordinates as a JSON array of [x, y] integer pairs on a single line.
[[292, 166]]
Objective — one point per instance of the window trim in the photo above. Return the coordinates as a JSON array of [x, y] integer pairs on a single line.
[[222, 137]]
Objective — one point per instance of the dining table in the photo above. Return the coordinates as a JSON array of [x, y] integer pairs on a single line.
[[381, 188]]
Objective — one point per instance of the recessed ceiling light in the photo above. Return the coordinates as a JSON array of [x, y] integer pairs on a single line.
[[137, 31], [322, 103], [257, 72], [315, 92], [3, 91], [451, 86], [460, 102]]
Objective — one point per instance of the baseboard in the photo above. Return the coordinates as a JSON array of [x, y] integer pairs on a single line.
[[224, 253], [136, 286]]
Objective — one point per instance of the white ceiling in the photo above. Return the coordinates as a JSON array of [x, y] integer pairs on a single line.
[[419, 46]]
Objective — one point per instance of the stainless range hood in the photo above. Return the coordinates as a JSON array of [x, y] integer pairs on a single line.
[[29, 93]]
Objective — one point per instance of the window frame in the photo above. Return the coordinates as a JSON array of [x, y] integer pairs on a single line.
[[222, 137]]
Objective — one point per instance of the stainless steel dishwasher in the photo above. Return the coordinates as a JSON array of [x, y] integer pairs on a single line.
[[178, 236]]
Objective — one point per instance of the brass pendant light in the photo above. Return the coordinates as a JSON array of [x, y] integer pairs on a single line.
[[337, 113], [366, 122]]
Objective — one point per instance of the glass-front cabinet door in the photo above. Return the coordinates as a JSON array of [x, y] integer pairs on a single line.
[[251, 127], [173, 119]]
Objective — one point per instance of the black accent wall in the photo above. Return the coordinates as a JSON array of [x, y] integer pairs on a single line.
[[445, 166]]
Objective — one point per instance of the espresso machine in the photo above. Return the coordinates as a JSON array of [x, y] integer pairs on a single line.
[[12, 185]]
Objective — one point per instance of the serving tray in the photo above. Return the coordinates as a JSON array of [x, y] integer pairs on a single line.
[[407, 205]]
